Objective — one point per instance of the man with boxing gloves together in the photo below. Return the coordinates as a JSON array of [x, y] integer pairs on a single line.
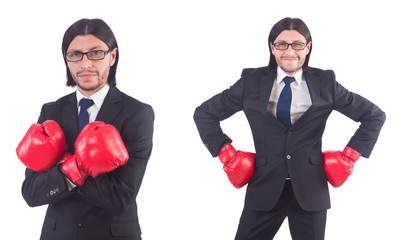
[[87, 155], [287, 105]]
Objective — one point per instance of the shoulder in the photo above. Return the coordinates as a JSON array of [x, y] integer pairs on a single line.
[[131, 104], [135, 119], [253, 76], [255, 71], [54, 110], [55, 105], [311, 71]]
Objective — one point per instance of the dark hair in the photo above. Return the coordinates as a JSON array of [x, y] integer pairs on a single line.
[[288, 24], [97, 28]]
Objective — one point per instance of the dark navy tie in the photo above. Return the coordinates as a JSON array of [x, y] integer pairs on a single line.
[[83, 118], [284, 102]]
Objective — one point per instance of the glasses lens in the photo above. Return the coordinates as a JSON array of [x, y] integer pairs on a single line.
[[74, 56], [281, 46], [96, 55], [298, 46]]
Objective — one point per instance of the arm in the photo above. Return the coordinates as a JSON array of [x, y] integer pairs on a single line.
[[238, 165], [46, 184], [339, 165], [40, 188], [361, 110], [208, 116]]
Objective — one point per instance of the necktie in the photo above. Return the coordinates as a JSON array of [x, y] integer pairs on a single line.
[[83, 118], [284, 102]]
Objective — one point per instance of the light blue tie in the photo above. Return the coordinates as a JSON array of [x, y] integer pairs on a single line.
[[284, 102], [83, 118]]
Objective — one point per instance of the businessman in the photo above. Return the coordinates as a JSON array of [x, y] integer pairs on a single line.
[[287, 105], [94, 148]]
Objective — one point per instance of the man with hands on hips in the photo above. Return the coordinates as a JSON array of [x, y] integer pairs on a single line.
[[87, 155], [287, 105]]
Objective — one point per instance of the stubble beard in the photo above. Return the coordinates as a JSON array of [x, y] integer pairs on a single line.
[[292, 70], [100, 80]]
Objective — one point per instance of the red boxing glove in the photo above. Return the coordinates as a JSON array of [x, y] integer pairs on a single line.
[[99, 149], [73, 169], [339, 165], [239, 166], [42, 146]]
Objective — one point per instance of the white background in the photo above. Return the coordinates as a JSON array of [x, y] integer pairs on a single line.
[[176, 54]]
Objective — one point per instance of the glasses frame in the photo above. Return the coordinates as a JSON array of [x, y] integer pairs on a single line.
[[291, 45], [86, 53]]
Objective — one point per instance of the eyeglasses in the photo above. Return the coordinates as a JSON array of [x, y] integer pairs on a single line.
[[285, 46], [92, 55]]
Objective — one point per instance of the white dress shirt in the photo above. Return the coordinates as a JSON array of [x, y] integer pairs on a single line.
[[301, 100], [98, 99]]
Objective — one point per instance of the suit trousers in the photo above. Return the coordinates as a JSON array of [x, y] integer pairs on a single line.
[[263, 225]]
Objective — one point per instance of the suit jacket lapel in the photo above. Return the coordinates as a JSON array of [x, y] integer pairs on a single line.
[[70, 123], [111, 106], [313, 84], [266, 84]]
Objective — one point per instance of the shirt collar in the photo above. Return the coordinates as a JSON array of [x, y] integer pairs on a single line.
[[298, 76], [98, 97]]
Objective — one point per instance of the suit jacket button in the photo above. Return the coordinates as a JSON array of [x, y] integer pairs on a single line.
[[81, 226], [288, 157]]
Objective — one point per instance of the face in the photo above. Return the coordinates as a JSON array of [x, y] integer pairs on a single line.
[[289, 60], [90, 75]]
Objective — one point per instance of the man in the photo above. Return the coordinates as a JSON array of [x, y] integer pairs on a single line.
[[287, 105], [91, 190]]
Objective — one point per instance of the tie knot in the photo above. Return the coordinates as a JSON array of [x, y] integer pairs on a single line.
[[288, 80], [85, 103]]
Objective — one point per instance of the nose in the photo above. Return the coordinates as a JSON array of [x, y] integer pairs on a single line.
[[290, 48], [86, 63]]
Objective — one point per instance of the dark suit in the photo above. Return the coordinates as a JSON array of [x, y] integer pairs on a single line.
[[279, 150], [104, 207]]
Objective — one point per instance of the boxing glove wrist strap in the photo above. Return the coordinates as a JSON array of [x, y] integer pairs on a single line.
[[71, 170], [226, 153], [351, 153]]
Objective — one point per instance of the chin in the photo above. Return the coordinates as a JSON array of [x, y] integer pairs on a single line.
[[88, 87], [290, 70]]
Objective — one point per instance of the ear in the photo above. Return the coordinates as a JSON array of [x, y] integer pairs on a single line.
[[308, 47], [113, 56], [272, 48]]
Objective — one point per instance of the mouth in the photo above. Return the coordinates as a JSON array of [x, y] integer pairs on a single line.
[[290, 59], [86, 76]]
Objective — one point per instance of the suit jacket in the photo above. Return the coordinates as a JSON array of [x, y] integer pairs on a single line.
[[104, 207], [279, 150]]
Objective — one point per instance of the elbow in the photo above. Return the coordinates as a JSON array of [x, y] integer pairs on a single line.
[[383, 117], [195, 114], [28, 197]]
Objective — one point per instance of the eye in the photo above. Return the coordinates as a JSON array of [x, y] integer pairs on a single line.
[[281, 45], [74, 54], [298, 45], [97, 53]]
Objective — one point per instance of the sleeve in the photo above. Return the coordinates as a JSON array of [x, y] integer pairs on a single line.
[[207, 116], [116, 190], [359, 109], [40, 188]]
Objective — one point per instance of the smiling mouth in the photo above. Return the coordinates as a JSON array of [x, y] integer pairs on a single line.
[[87, 75], [289, 59]]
